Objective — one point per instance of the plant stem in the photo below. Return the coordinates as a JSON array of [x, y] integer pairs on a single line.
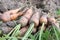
[[16, 29], [41, 31], [29, 31], [55, 33], [12, 30]]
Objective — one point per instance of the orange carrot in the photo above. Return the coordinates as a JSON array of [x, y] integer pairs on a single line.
[[53, 21], [5, 17], [43, 19], [23, 30], [12, 14], [29, 13], [25, 18], [35, 18]]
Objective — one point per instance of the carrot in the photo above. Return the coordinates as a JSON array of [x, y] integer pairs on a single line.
[[15, 10], [53, 21], [23, 30], [25, 18], [5, 17], [43, 19], [12, 14], [29, 13], [35, 18]]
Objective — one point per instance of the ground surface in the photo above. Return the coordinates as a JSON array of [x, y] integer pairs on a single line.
[[46, 6]]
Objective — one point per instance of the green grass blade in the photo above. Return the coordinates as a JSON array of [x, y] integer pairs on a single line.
[[56, 33], [41, 31], [29, 31]]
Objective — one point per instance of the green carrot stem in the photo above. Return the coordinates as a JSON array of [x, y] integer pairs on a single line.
[[56, 33], [29, 31], [41, 31], [16, 29], [36, 34], [13, 30]]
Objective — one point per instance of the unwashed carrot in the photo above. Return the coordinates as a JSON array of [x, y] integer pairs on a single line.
[[12, 14], [35, 18], [5, 17], [53, 21], [43, 19], [23, 31], [25, 18]]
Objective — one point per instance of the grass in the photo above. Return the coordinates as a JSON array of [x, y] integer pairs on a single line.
[[58, 12], [55, 33]]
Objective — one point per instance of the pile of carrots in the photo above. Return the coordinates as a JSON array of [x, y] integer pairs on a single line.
[[28, 16]]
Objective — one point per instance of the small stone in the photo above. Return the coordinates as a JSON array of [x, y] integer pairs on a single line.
[[6, 29], [3, 25], [11, 24]]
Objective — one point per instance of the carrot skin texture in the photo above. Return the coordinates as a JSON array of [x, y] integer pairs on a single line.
[[29, 13], [35, 18], [5, 17], [23, 21], [23, 30], [13, 17], [12, 14], [43, 19], [53, 21], [25, 18]]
